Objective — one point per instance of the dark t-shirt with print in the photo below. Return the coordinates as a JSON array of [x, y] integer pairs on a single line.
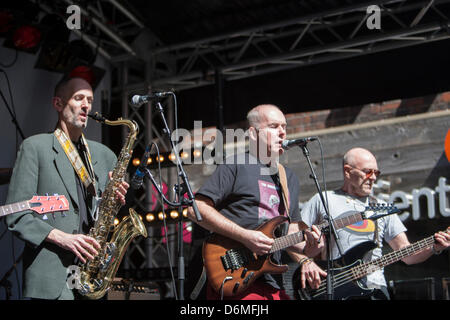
[[243, 190]]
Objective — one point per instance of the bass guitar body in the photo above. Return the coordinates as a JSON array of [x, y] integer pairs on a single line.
[[343, 288]]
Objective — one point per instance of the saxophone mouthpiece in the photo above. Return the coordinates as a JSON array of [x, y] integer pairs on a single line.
[[97, 117]]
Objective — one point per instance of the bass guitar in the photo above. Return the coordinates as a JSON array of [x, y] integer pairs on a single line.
[[231, 267], [348, 282], [39, 204]]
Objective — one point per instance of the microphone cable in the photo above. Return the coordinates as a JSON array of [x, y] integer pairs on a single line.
[[164, 223]]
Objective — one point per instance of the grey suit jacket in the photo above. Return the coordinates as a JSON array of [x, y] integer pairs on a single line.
[[42, 168]]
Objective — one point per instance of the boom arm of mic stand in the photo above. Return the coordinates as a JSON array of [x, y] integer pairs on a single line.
[[180, 166], [149, 174]]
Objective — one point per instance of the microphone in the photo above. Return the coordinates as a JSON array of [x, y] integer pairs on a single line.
[[140, 100], [287, 144], [138, 177]]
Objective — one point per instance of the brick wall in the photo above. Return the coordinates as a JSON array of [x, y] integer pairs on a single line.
[[315, 120], [327, 118]]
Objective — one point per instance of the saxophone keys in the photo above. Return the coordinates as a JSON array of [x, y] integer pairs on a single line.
[[98, 283], [110, 248]]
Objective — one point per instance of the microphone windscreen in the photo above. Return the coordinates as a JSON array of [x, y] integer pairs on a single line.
[[135, 99]]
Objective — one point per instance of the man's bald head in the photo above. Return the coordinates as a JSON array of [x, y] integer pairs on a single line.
[[360, 170], [357, 157], [255, 115]]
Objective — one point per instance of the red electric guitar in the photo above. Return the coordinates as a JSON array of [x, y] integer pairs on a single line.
[[39, 204]]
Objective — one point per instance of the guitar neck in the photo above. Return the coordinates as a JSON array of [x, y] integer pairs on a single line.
[[296, 237], [14, 207], [371, 266]]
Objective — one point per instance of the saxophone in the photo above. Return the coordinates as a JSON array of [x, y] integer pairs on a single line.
[[96, 276]]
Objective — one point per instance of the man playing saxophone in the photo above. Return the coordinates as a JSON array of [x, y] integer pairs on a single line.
[[62, 162]]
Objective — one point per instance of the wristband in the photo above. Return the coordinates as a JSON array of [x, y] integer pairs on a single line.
[[304, 260], [435, 251]]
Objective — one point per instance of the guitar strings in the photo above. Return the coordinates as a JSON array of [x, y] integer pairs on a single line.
[[361, 270]]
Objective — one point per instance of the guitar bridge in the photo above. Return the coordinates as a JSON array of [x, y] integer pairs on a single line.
[[234, 259]]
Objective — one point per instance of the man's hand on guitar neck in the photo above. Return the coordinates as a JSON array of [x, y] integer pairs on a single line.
[[257, 242], [315, 241]]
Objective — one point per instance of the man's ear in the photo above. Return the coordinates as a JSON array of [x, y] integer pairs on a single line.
[[57, 104], [346, 170], [252, 133]]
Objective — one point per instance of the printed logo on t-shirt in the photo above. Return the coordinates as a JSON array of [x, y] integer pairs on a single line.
[[361, 228], [269, 201]]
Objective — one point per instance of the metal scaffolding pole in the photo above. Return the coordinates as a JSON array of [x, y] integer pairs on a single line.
[[148, 138]]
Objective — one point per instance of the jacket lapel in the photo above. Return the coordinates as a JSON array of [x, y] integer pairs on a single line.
[[65, 170]]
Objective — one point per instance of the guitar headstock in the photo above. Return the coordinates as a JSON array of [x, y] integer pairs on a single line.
[[386, 209], [376, 207], [46, 204]]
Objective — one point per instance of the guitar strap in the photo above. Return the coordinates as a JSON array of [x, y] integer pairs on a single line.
[[372, 199], [284, 187], [198, 287]]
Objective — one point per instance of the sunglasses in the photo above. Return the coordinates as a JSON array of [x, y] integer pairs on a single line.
[[368, 172]]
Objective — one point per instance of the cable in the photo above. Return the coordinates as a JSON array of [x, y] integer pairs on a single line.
[[323, 174], [165, 225], [181, 263]]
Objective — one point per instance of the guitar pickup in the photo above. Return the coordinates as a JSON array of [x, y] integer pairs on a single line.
[[234, 259], [226, 262]]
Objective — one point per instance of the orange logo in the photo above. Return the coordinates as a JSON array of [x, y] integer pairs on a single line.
[[447, 145]]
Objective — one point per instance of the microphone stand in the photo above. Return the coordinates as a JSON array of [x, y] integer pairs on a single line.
[[182, 173], [191, 201], [13, 117], [181, 266], [328, 230]]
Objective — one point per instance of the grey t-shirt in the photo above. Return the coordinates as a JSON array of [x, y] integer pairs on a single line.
[[340, 203]]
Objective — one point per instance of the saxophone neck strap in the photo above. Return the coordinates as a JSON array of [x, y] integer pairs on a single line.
[[86, 175]]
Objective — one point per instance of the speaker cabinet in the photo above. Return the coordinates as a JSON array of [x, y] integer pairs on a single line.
[[126, 289], [413, 289]]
